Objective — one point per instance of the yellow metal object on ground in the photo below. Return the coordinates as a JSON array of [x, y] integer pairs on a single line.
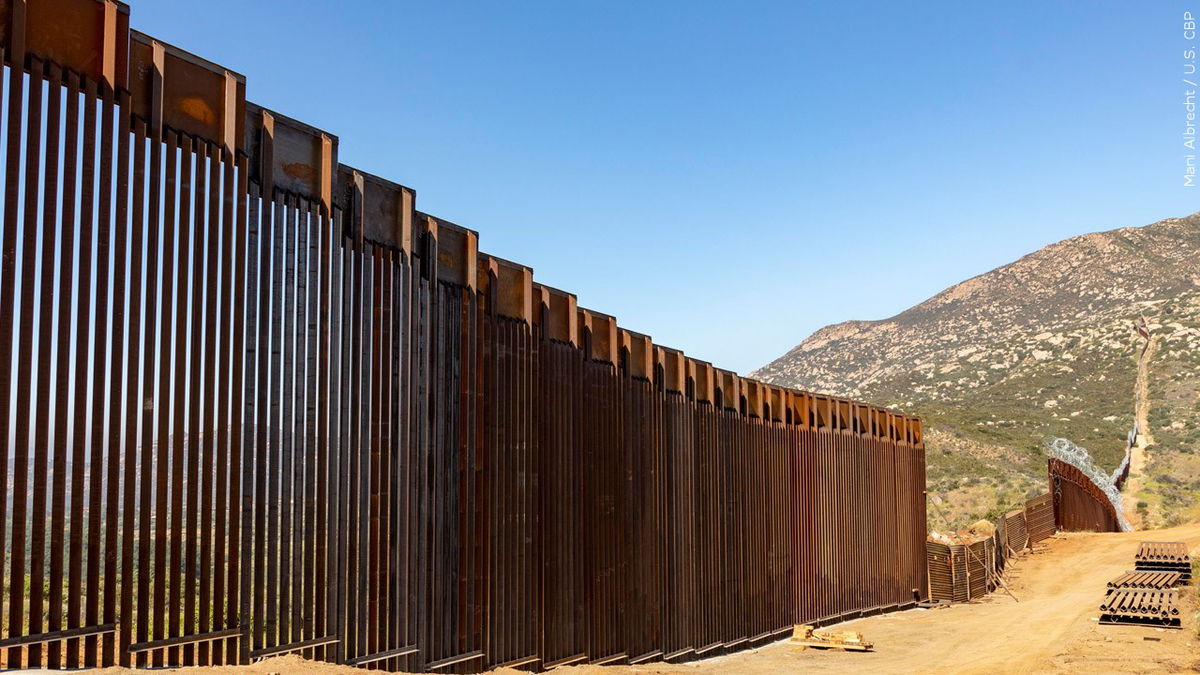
[[806, 637]]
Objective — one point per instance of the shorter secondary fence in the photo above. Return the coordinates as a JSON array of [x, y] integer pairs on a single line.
[[1080, 504], [965, 571], [1039, 518]]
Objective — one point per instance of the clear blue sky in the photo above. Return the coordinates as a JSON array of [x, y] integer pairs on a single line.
[[729, 177]]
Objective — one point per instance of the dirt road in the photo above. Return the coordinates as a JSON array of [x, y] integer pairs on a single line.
[[1051, 629], [1139, 456]]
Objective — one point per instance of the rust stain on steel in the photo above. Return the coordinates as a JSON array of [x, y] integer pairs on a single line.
[[198, 109], [300, 171]]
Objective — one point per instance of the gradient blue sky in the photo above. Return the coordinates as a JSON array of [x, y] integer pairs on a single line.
[[729, 177]]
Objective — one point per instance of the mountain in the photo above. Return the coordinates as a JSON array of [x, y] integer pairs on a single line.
[[1040, 348]]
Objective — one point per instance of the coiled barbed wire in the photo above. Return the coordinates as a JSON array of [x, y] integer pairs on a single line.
[[1078, 457]]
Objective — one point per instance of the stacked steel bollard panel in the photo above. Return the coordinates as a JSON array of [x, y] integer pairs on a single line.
[[1147, 595]]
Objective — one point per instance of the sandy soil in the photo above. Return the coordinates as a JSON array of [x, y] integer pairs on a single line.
[[1051, 628]]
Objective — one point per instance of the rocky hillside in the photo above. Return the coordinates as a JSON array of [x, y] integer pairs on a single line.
[[1039, 348]]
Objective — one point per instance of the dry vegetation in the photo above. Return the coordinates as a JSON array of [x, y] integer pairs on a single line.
[[1037, 349]]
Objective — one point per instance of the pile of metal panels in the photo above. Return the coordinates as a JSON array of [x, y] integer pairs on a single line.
[[1169, 556], [1146, 580], [1147, 595], [1138, 606], [261, 404]]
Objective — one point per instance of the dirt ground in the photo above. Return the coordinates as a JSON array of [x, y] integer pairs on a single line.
[[1052, 628]]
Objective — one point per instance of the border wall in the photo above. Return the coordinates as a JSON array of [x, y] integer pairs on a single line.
[[261, 404], [965, 571], [960, 572], [1080, 504]]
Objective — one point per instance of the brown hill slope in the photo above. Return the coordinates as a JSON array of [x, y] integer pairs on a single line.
[[1038, 348]]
